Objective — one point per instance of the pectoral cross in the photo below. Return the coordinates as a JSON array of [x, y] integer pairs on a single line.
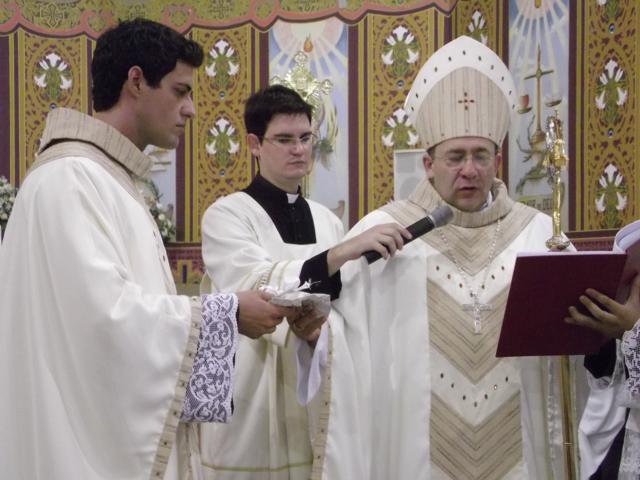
[[476, 308]]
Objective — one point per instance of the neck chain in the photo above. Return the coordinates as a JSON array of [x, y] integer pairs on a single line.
[[476, 308]]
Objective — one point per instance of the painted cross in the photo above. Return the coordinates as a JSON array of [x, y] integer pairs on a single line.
[[476, 308], [466, 101]]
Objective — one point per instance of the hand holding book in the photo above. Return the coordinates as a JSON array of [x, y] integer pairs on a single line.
[[621, 314], [544, 285], [608, 316], [599, 290]]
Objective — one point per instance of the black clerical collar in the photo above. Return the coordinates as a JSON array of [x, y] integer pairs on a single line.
[[293, 220], [262, 188]]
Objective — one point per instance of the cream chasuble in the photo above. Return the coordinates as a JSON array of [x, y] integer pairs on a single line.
[[96, 346], [435, 402], [269, 435]]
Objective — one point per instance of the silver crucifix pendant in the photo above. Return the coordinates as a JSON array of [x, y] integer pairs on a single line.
[[476, 308]]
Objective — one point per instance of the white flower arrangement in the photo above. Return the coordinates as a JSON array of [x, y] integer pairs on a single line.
[[7, 198], [163, 215]]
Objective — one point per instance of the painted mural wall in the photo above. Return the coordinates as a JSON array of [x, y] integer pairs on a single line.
[[574, 56]]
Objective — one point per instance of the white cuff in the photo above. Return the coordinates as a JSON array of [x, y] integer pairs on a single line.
[[311, 363]]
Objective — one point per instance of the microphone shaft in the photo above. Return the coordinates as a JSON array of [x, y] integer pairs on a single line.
[[422, 226]]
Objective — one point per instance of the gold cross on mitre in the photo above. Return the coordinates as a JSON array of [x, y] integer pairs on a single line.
[[466, 101]]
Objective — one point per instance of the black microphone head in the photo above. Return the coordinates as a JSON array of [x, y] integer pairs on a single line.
[[441, 215]]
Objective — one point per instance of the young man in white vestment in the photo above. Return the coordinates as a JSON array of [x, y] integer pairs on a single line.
[[269, 235], [423, 327], [609, 430], [105, 369]]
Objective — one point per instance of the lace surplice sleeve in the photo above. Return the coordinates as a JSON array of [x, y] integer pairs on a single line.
[[630, 347], [210, 387], [630, 460]]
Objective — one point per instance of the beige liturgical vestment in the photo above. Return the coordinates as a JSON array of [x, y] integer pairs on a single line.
[[435, 402], [272, 436], [95, 345]]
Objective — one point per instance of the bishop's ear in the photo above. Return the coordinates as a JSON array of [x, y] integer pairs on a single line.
[[427, 162], [498, 159]]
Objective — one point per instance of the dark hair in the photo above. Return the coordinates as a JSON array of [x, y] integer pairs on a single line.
[[263, 105], [154, 47]]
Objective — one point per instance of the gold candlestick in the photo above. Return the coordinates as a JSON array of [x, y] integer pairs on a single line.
[[555, 160]]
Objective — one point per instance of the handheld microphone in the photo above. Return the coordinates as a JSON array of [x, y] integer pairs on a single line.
[[439, 217]]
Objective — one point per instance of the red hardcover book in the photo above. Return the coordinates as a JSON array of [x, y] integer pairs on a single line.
[[543, 287]]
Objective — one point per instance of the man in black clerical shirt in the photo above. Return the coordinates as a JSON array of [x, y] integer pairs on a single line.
[[278, 124], [268, 234]]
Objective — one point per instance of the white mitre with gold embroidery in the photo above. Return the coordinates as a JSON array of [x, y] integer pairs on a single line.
[[463, 90]]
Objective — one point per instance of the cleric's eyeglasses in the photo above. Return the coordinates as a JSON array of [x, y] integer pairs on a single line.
[[289, 141]]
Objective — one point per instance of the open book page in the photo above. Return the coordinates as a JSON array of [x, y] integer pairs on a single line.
[[627, 236], [569, 253], [628, 240]]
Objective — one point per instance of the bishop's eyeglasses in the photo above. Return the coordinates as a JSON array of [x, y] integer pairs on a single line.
[[289, 141], [457, 159]]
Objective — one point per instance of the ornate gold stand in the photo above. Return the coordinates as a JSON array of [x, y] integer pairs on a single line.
[[555, 160]]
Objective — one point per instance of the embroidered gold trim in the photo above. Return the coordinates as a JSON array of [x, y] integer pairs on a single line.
[[469, 238], [282, 468], [319, 446], [66, 124], [487, 451], [451, 332], [168, 436]]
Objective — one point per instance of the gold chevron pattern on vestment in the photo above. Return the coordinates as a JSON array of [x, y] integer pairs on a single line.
[[451, 332], [487, 451], [472, 244]]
